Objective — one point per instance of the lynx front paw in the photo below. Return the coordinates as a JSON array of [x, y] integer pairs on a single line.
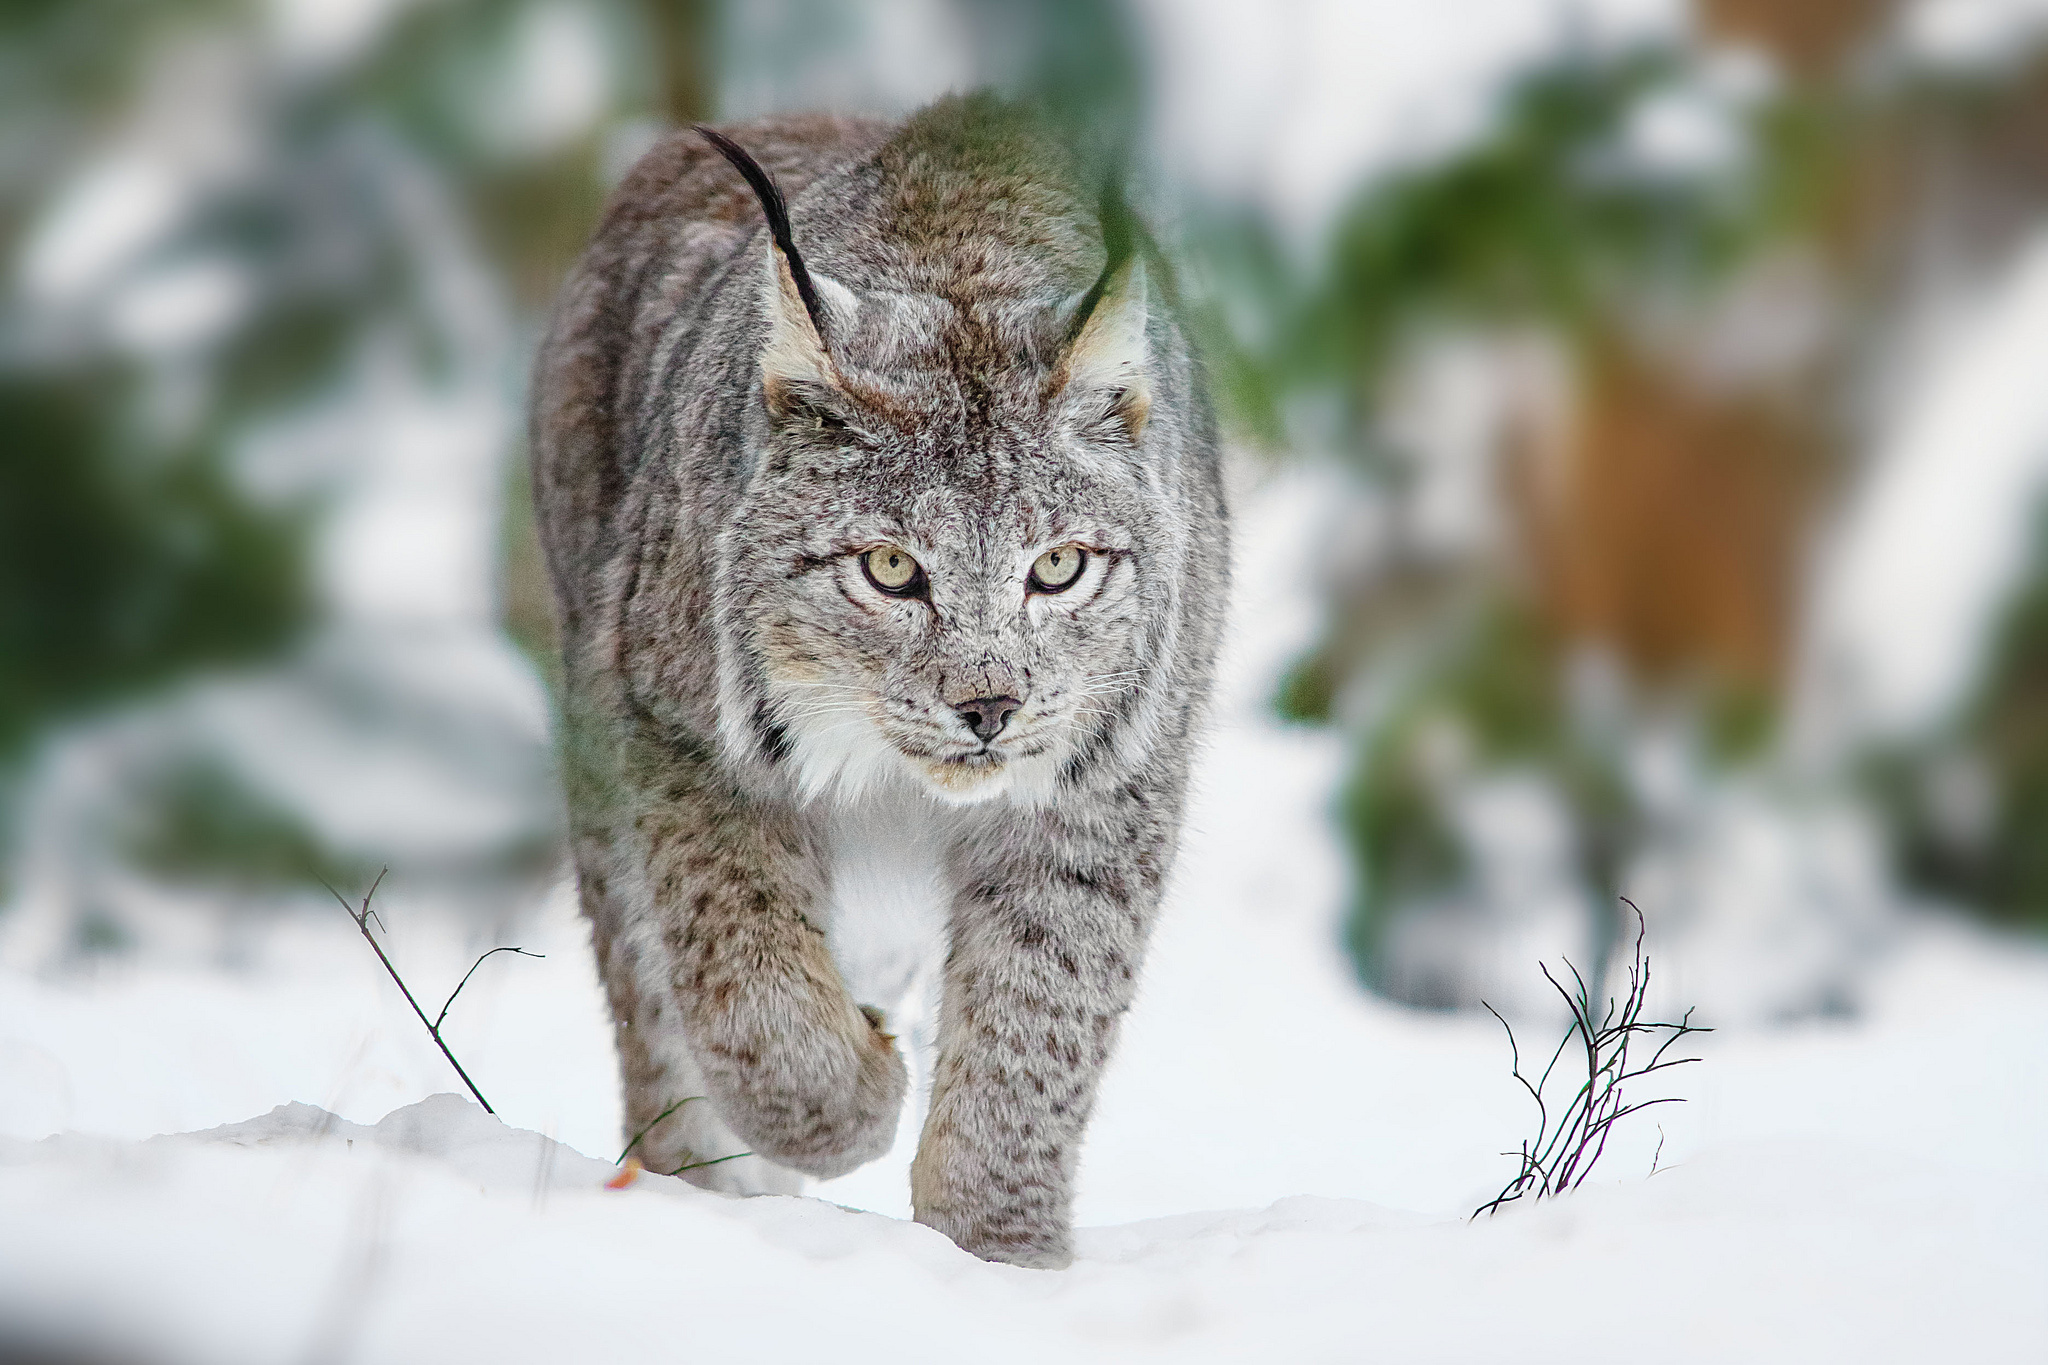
[[823, 1109], [1011, 1214], [988, 1234]]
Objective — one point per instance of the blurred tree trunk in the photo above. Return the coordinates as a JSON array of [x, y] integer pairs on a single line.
[[1669, 522], [1811, 37], [682, 33]]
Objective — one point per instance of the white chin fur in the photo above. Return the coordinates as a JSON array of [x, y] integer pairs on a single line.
[[1021, 781], [957, 786], [845, 756], [849, 760]]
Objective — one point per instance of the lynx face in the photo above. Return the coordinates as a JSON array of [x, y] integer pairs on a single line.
[[964, 582], [943, 557]]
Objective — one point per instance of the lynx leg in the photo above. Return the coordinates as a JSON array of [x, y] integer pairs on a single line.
[[790, 1063], [1044, 960], [667, 1106]]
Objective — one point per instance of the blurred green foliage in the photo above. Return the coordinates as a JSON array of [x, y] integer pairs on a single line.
[[2007, 723], [135, 549], [202, 821], [120, 569], [1548, 217], [128, 555], [1986, 844], [1488, 693], [1549, 220], [381, 199], [1449, 669], [356, 188]]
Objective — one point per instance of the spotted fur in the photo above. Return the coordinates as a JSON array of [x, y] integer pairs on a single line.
[[764, 757]]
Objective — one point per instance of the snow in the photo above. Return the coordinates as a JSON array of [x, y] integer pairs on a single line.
[[441, 1233], [1862, 1188], [105, 219], [1966, 33], [1933, 541]]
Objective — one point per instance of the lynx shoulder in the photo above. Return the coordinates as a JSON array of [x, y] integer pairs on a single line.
[[882, 507]]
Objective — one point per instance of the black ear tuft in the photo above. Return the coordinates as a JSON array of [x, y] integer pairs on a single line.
[[777, 213], [1121, 235]]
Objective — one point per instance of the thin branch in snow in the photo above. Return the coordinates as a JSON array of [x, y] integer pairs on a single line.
[[1567, 1146], [472, 972], [363, 915]]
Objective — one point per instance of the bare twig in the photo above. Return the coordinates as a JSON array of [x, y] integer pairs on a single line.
[[1567, 1147], [362, 915], [472, 972]]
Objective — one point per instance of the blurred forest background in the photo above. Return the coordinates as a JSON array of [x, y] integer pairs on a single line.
[[1678, 412]]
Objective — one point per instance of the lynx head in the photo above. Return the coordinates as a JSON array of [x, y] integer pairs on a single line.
[[957, 552]]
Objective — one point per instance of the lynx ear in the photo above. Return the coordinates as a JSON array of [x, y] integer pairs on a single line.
[[794, 353], [1106, 359], [801, 308]]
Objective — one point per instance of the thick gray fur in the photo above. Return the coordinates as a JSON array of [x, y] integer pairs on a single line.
[[764, 761]]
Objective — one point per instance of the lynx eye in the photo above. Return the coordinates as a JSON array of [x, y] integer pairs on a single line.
[[890, 568], [1058, 568]]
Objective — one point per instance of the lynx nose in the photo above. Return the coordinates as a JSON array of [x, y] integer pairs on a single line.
[[986, 716]]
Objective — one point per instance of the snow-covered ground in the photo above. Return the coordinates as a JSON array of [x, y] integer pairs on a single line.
[[1869, 1188], [442, 1235]]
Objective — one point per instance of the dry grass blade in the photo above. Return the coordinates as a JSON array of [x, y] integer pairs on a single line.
[[626, 1151]]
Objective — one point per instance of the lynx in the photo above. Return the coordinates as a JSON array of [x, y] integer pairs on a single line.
[[888, 546]]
